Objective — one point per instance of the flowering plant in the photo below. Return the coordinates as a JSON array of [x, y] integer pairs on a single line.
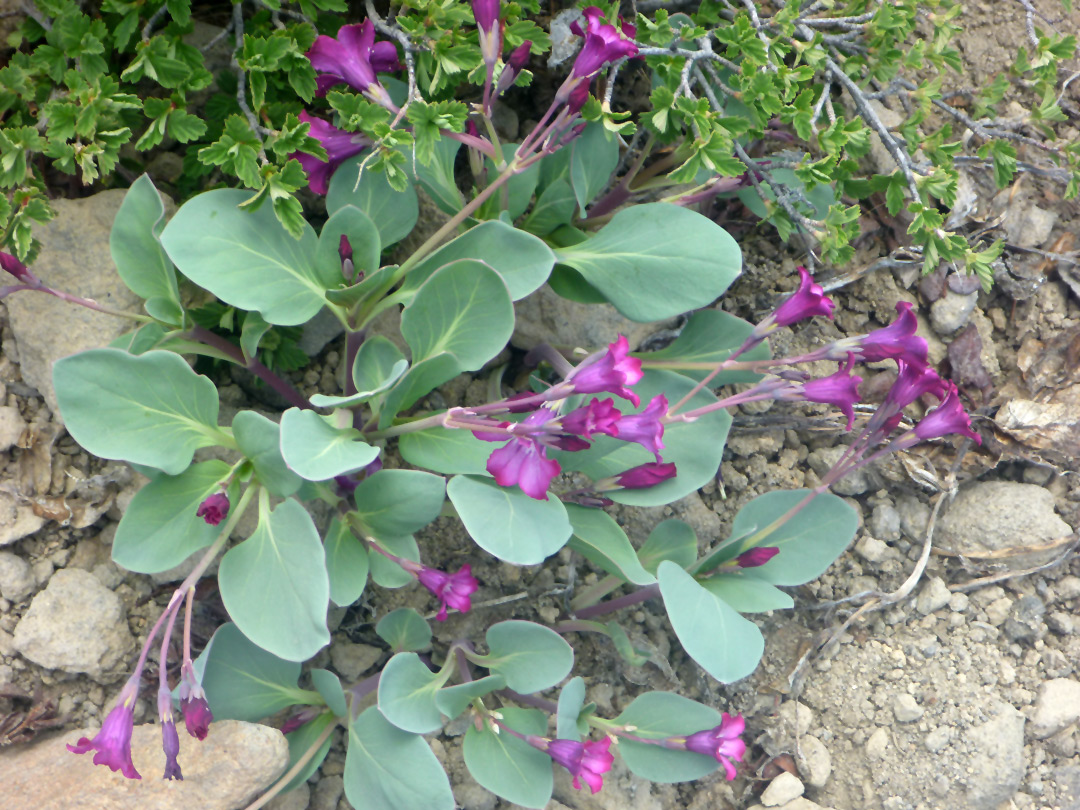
[[347, 487]]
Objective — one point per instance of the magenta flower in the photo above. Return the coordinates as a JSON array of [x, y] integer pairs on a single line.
[[193, 705], [595, 417], [947, 418], [912, 382], [604, 43], [645, 428], [640, 477], [214, 509], [113, 742], [453, 590], [170, 740], [523, 461], [586, 761], [339, 145], [11, 264], [756, 556], [896, 341], [486, 13], [808, 300], [840, 389], [354, 58], [721, 743], [608, 373], [515, 63]]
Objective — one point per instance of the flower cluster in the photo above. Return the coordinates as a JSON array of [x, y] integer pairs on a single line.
[[604, 44]]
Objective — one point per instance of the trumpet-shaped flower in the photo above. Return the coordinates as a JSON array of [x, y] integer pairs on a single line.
[[608, 372], [640, 477], [897, 341], [214, 509], [339, 145], [193, 705], [598, 416], [808, 300], [840, 389], [722, 743], [645, 428], [586, 762], [947, 418], [604, 43], [452, 590], [353, 58], [113, 742], [170, 740]]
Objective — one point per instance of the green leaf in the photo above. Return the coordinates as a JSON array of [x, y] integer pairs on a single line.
[[260, 440], [446, 451], [507, 766], [523, 261], [508, 523], [709, 337], [429, 119], [140, 260], [554, 208], [726, 645], [317, 451], [808, 543], [252, 333], [301, 740], [600, 539], [236, 151], [571, 702], [346, 564], [657, 715], [389, 769], [275, 585], [329, 686], [363, 237], [407, 694], [453, 700], [396, 502], [656, 260], [593, 157], [530, 656], [394, 212], [747, 593], [159, 529], [245, 682], [670, 540], [404, 630], [152, 409], [624, 647], [247, 259], [520, 187], [387, 573], [377, 366], [437, 178]]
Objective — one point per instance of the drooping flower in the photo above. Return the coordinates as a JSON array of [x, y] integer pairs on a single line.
[[353, 57], [912, 381], [515, 63], [586, 762], [170, 740], [840, 389], [452, 590], [808, 300], [598, 416], [113, 742], [486, 13], [722, 743], [640, 477], [896, 341], [947, 418], [214, 509], [11, 264], [608, 372], [645, 428], [604, 43], [193, 704], [339, 145], [755, 557]]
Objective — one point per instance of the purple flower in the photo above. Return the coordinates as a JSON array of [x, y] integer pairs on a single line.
[[515, 63], [721, 743], [608, 373], [645, 428], [193, 705], [896, 341], [523, 461], [586, 761], [603, 43], [453, 590], [486, 13], [947, 418], [339, 145], [170, 740], [808, 300], [214, 509], [354, 58], [12, 265], [596, 417], [756, 556], [912, 382], [640, 477], [840, 389], [113, 742]]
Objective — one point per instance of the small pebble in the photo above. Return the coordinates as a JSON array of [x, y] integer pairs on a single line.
[[784, 788], [933, 596], [906, 709]]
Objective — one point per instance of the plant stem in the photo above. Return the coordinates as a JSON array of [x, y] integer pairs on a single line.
[[638, 596]]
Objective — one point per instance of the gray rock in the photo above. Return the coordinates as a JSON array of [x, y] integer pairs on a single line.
[[327, 792], [996, 768], [950, 312], [784, 788], [906, 709], [16, 577], [885, 522], [814, 761], [871, 549], [914, 515], [76, 259], [996, 515], [353, 660], [824, 459], [296, 799], [1056, 708], [878, 745], [1025, 620], [938, 739], [998, 611], [17, 520], [11, 427], [934, 596], [76, 625], [226, 771]]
